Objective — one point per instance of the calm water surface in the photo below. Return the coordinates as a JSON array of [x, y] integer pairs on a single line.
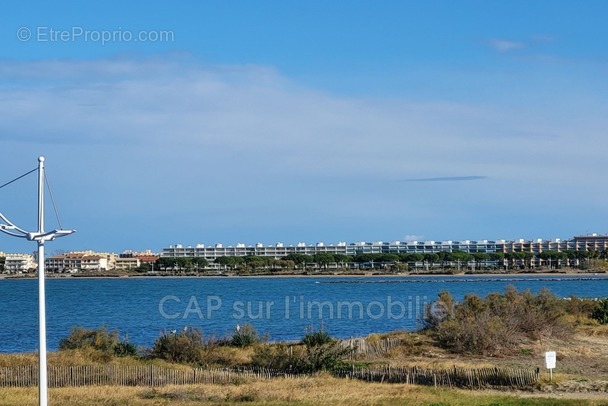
[[142, 308]]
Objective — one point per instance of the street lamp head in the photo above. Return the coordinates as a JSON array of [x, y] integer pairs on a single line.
[[61, 233], [49, 236]]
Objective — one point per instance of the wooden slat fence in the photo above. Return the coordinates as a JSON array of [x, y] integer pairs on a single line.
[[362, 346], [150, 375], [453, 377], [130, 375]]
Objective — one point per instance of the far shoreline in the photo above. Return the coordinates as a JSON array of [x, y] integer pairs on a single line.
[[544, 274]]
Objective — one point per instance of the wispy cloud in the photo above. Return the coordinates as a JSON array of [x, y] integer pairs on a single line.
[[221, 148], [447, 179], [504, 45]]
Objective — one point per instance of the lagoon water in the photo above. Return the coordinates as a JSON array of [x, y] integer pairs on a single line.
[[284, 308]]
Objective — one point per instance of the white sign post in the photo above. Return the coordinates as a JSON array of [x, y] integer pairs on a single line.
[[550, 358]]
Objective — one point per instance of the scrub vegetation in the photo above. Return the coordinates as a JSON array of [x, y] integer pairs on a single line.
[[510, 329]]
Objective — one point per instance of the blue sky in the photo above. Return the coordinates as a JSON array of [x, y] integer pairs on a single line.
[[203, 122]]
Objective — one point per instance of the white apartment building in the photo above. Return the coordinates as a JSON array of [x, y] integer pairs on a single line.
[[280, 250], [125, 263], [591, 242], [90, 261], [87, 261], [18, 263]]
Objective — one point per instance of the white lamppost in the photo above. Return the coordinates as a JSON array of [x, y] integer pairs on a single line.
[[40, 237]]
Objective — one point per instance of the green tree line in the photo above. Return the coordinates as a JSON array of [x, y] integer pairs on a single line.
[[401, 261]]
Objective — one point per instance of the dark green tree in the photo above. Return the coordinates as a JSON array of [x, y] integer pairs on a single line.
[[323, 260], [343, 260], [183, 263], [527, 258], [299, 259], [199, 263], [552, 258], [430, 259], [388, 258], [256, 262], [498, 258], [481, 259]]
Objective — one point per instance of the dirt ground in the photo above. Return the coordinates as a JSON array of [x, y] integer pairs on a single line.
[[581, 368]]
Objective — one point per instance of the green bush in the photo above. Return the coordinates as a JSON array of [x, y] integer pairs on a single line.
[[279, 356], [325, 357], [318, 351], [439, 310], [245, 336], [581, 308], [106, 342], [499, 323], [184, 347], [125, 349], [316, 338], [600, 312]]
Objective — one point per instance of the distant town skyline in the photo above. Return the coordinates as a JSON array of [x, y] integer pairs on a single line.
[[320, 243], [491, 253], [312, 121]]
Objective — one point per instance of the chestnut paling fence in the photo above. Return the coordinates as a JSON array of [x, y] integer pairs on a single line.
[[367, 348], [451, 377], [151, 375]]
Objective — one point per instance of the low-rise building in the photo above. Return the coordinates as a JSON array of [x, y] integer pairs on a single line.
[[126, 263], [135, 259], [18, 263], [81, 261]]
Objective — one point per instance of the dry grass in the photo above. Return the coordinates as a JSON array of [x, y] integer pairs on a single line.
[[319, 390], [595, 330], [78, 357], [215, 356], [582, 365], [223, 356]]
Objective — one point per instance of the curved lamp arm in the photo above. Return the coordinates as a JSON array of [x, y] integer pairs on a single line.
[[11, 229]]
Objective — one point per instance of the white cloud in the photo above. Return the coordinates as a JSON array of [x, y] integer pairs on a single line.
[[173, 144], [504, 45]]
